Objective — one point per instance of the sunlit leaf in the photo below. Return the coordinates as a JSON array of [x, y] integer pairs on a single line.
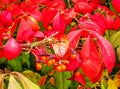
[[115, 39], [107, 51], [111, 84], [27, 84], [2, 81], [61, 45], [13, 84]]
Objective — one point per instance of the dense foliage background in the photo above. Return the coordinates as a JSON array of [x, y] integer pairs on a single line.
[[59, 44]]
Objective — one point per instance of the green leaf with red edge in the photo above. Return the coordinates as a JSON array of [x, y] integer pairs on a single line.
[[92, 64], [74, 37], [59, 24], [107, 51], [61, 45]]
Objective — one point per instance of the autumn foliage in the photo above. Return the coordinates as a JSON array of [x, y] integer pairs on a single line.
[[59, 36]]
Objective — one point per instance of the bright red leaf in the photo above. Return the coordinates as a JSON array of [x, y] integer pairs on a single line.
[[59, 24], [74, 37], [92, 63], [12, 49], [107, 51], [24, 32]]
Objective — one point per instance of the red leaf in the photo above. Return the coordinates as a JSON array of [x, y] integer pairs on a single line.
[[6, 18], [12, 49], [91, 25], [59, 24], [48, 15], [23, 28], [33, 23], [92, 63], [74, 37], [78, 78], [74, 62], [107, 51], [84, 7]]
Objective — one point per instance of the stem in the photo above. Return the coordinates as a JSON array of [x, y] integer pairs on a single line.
[[69, 5], [50, 39]]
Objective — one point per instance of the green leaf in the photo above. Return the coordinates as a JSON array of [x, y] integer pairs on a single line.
[[2, 60], [46, 69], [27, 84], [74, 85], [103, 84], [15, 64], [115, 39], [118, 52], [2, 81], [61, 81], [111, 84], [13, 84], [25, 59], [33, 76]]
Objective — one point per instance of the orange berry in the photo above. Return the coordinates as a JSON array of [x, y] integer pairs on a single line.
[[58, 68], [77, 73], [44, 58], [63, 67], [38, 66], [53, 61], [49, 63], [49, 27], [73, 56]]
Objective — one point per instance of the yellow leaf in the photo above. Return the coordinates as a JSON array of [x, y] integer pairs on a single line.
[[111, 84], [27, 84], [13, 84]]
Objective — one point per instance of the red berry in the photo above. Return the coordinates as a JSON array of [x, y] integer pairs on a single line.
[[12, 49]]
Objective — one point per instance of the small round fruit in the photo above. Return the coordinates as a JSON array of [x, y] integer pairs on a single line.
[[58, 68], [53, 61], [49, 63], [38, 66], [63, 67], [77, 73]]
